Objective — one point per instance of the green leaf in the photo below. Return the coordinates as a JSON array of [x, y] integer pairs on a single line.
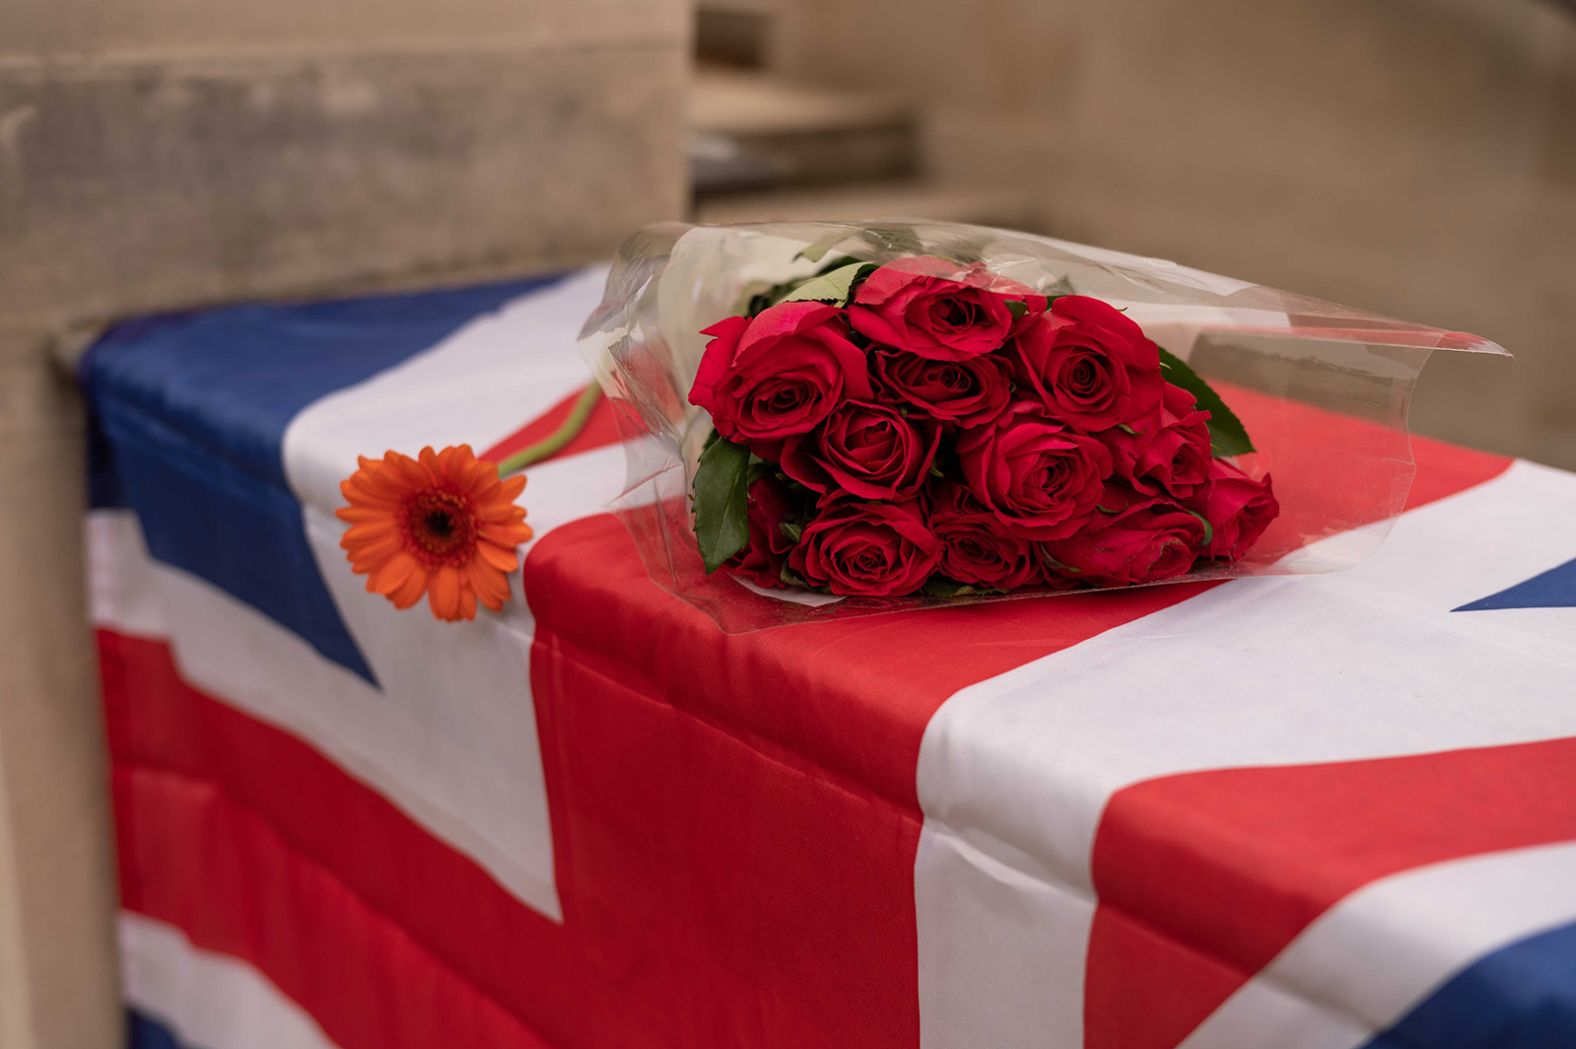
[[1017, 308], [1209, 529], [789, 579], [834, 287], [791, 530], [1227, 435], [721, 496], [1127, 429], [940, 586]]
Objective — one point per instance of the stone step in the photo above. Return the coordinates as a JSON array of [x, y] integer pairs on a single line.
[[873, 200], [749, 130]]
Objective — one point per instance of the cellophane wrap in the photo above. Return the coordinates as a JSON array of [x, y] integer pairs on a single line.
[[1322, 389]]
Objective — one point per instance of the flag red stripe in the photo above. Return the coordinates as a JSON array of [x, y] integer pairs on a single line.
[[193, 856], [1205, 877]]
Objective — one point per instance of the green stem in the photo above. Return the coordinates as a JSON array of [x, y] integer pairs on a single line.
[[554, 443]]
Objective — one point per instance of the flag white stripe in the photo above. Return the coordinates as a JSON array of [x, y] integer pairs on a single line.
[[477, 386], [207, 1000]]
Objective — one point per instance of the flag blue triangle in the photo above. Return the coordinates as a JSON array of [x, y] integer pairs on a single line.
[[1555, 588]]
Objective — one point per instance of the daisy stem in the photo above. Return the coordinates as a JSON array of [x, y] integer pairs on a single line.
[[554, 442]]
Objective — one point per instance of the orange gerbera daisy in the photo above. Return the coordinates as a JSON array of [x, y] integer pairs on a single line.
[[443, 524]]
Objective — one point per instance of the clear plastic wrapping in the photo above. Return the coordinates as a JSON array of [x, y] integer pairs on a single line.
[[1322, 389]]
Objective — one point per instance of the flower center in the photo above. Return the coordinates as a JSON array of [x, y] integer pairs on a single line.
[[1085, 378], [439, 527], [958, 313]]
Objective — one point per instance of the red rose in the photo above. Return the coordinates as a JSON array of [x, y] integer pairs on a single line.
[[762, 560], [869, 450], [965, 392], [1171, 454], [1237, 506], [938, 308], [1092, 366], [1150, 540], [780, 373], [1039, 478], [977, 548], [866, 549]]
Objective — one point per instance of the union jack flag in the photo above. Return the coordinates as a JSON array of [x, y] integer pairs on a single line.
[[1331, 812]]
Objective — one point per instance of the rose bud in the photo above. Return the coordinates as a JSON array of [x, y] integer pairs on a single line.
[[977, 549], [779, 374], [762, 560], [1171, 455], [1092, 366], [1149, 540], [868, 450], [939, 308], [1040, 479], [866, 549], [965, 392], [1237, 506]]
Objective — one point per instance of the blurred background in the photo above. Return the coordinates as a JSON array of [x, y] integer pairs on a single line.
[[1414, 157]]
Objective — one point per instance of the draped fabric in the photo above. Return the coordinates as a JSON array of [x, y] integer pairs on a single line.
[[1334, 812]]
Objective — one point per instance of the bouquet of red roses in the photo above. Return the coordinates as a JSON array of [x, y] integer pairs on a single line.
[[926, 425], [833, 419]]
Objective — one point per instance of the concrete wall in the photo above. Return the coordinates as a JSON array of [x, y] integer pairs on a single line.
[[1416, 157], [170, 152]]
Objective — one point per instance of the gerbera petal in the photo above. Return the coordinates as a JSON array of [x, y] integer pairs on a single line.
[[364, 492], [454, 463], [376, 529], [501, 558], [410, 591], [392, 574], [385, 471], [361, 540], [443, 593], [512, 487], [371, 550], [499, 511], [467, 604], [490, 584], [363, 514], [477, 478], [415, 474], [355, 491], [506, 535]]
